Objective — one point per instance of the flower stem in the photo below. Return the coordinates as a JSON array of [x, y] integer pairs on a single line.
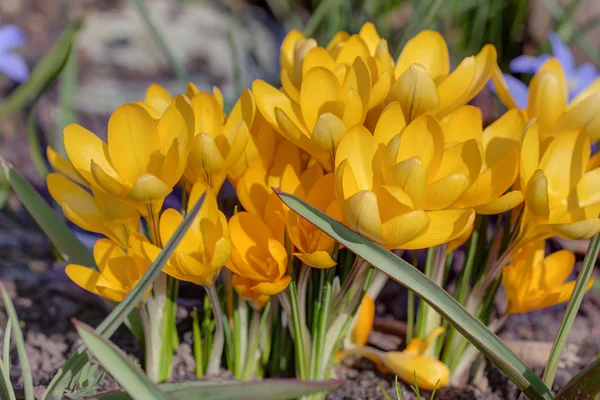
[[197, 344], [240, 336], [153, 318], [423, 306], [574, 303], [302, 372], [257, 326], [214, 362]]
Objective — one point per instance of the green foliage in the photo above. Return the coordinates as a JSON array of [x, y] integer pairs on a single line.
[[85, 383]]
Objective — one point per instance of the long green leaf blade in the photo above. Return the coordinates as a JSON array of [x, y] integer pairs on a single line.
[[269, 389], [19, 343], [584, 385], [469, 326], [44, 73], [55, 229], [130, 377], [115, 318]]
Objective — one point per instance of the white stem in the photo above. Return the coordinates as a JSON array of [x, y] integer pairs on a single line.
[[216, 352], [153, 317]]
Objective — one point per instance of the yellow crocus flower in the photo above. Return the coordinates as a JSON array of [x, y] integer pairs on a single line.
[[142, 160], [548, 102], [258, 261], [424, 83], [204, 248], [533, 282], [562, 193], [118, 272], [64, 167], [412, 363], [97, 211], [218, 143]]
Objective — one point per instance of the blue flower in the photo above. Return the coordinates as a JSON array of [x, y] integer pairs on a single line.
[[12, 64], [578, 78]]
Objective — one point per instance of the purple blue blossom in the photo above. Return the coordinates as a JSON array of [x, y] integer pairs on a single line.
[[578, 78], [12, 64]]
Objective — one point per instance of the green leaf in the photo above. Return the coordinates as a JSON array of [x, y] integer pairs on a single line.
[[115, 318], [469, 326], [43, 75], [55, 228], [268, 389], [130, 377], [6, 389], [584, 385], [19, 343]]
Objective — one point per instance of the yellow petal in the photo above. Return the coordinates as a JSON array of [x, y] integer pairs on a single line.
[[169, 222], [317, 57], [235, 145], [285, 155], [587, 191], [288, 46], [191, 90], [328, 132], [452, 90], [158, 97], [362, 212], [405, 228], [359, 79], [536, 194], [272, 288], [148, 189], [547, 101], [177, 122], [444, 226], [429, 49], [83, 146], [112, 184], [390, 123], [353, 112], [502, 88], [364, 321], [429, 373], [583, 115], [320, 93], [84, 277], [252, 190], [410, 176], [64, 166], [221, 252], [503, 203], [244, 109], [416, 92], [132, 141], [530, 154], [205, 160], [78, 205], [445, 191], [345, 182], [250, 237], [208, 114], [463, 124], [369, 34], [269, 98], [318, 259], [354, 47], [578, 230], [557, 267], [358, 137], [503, 137], [462, 158]]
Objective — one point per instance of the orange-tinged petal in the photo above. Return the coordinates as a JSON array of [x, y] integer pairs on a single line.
[[84, 277], [416, 92], [177, 122], [557, 268], [318, 259], [252, 190], [105, 250], [444, 226], [429, 373], [429, 49], [250, 236], [83, 147], [132, 141], [364, 321], [272, 288]]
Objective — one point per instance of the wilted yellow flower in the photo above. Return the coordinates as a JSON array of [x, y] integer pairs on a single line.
[[412, 363], [218, 143], [204, 248], [562, 194], [548, 102], [424, 83], [533, 282], [364, 321], [97, 211], [143, 159], [119, 273], [258, 259]]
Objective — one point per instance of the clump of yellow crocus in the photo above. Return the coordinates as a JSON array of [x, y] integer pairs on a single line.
[[204, 248], [548, 102], [259, 261], [118, 272], [561, 186], [533, 282], [143, 158], [412, 363]]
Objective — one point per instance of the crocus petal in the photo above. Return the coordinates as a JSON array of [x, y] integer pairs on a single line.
[[252, 191], [503, 203], [578, 230], [445, 191], [527, 64], [317, 57], [288, 46], [562, 52], [416, 92], [320, 93], [429, 49], [328, 132], [405, 228], [244, 109], [14, 66], [583, 115], [208, 114], [272, 288], [444, 226], [390, 123], [132, 141], [463, 124], [358, 137], [11, 36], [269, 98], [536, 194], [84, 277], [64, 166], [500, 87], [547, 99], [318, 259], [557, 268], [83, 147], [369, 34], [158, 97], [148, 189], [362, 212], [429, 373], [177, 122], [170, 220], [354, 47], [364, 321]]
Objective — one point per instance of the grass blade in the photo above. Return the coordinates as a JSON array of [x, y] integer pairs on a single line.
[[572, 308], [115, 318], [268, 389], [6, 347], [6, 389], [19, 343], [45, 72], [55, 228], [469, 326], [130, 377], [584, 385]]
